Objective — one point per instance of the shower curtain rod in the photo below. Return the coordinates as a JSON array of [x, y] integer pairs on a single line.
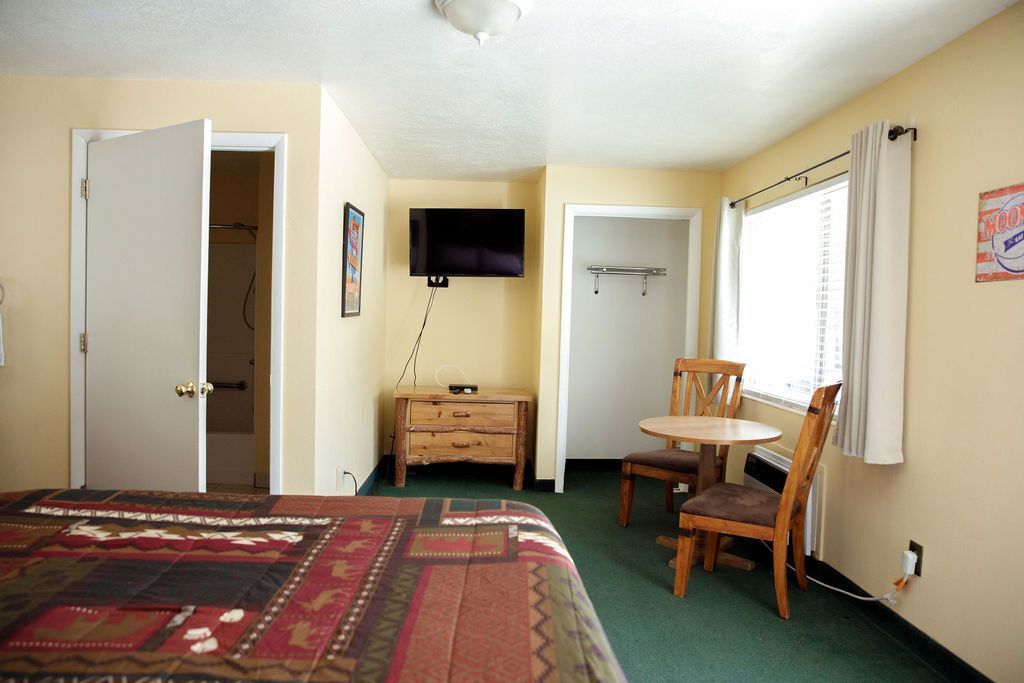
[[234, 226], [894, 133]]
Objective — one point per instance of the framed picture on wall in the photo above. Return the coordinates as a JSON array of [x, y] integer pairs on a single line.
[[352, 261], [1000, 235]]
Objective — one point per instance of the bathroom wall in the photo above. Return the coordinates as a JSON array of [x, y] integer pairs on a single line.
[[234, 198], [235, 257], [242, 190], [230, 343]]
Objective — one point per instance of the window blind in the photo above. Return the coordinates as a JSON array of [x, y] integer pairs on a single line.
[[792, 267]]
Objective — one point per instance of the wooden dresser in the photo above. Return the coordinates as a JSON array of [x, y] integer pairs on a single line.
[[433, 425]]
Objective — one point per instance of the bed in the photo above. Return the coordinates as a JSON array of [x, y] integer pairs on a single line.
[[156, 586]]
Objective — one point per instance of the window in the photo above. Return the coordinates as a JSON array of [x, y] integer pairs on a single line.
[[792, 266]]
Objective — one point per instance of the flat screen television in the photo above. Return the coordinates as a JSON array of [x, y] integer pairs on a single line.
[[466, 242]]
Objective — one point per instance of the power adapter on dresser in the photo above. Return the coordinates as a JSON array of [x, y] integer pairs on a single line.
[[463, 388]]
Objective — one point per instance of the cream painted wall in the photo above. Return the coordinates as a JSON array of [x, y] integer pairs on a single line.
[[563, 185], [486, 326], [958, 491], [349, 351], [36, 118]]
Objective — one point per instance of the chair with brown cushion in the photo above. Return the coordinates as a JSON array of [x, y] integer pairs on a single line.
[[673, 465], [765, 515]]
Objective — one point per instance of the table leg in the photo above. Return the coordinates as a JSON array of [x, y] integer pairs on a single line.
[[705, 478], [706, 466]]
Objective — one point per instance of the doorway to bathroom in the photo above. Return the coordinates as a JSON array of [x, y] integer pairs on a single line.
[[141, 244], [238, 315]]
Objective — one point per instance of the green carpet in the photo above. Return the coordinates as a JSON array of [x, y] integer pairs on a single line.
[[726, 628]]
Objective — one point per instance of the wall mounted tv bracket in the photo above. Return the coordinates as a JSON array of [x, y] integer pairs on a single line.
[[437, 281]]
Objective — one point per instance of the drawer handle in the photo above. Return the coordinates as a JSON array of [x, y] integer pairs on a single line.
[[461, 444], [461, 413]]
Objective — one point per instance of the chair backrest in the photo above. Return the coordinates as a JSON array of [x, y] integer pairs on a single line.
[[700, 401], [807, 454]]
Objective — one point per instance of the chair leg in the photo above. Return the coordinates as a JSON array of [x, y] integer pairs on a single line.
[[779, 567], [684, 558], [670, 500], [799, 561], [711, 540], [625, 498]]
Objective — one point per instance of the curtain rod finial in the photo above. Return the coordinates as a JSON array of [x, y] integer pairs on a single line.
[[897, 131]]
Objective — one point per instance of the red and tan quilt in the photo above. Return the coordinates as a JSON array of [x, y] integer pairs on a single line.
[[147, 586]]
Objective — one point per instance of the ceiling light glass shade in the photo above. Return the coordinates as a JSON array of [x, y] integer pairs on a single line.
[[482, 18]]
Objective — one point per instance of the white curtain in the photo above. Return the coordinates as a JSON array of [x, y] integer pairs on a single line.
[[725, 295], [875, 315]]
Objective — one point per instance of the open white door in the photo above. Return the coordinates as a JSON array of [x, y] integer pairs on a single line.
[[146, 293]]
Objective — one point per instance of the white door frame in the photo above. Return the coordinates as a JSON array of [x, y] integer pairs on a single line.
[[574, 211], [234, 142]]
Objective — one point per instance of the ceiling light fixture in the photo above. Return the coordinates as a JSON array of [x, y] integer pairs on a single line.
[[482, 18]]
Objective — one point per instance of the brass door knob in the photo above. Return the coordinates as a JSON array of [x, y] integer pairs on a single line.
[[205, 389], [185, 390]]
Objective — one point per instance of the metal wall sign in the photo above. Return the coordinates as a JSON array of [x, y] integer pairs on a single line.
[[1000, 234]]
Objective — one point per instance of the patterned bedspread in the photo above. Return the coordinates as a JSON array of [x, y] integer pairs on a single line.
[[151, 586]]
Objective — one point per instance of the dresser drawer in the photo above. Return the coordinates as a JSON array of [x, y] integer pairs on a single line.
[[426, 447], [459, 413]]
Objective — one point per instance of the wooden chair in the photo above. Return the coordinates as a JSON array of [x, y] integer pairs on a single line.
[[740, 511], [673, 465]]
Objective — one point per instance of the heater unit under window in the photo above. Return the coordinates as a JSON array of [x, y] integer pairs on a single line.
[[767, 470]]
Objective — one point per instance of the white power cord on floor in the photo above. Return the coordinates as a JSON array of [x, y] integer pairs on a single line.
[[888, 598]]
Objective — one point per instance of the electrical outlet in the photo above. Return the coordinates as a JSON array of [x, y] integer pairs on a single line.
[[918, 549], [339, 480]]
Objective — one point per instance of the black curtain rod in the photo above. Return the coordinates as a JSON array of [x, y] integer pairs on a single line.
[[894, 133]]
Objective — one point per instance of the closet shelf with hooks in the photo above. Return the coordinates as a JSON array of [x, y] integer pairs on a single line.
[[641, 271]]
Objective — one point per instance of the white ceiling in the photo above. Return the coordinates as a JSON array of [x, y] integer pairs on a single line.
[[668, 84]]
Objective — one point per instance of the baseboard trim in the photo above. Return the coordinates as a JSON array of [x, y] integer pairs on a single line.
[[943, 661], [371, 479], [548, 485], [594, 463]]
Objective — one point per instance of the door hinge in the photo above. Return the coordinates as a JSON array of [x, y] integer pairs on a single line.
[[85, 188], [83, 342]]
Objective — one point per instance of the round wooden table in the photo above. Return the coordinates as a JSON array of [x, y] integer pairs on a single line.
[[709, 433]]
